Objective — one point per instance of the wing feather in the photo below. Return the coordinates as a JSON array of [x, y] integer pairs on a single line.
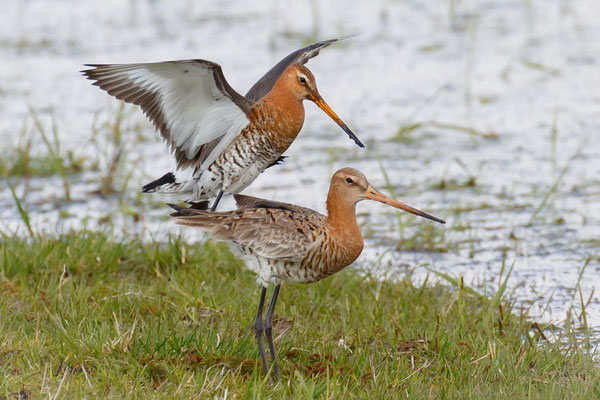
[[271, 233], [300, 56], [188, 101], [245, 201]]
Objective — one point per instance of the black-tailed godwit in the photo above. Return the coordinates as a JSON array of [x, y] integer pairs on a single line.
[[285, 242], [226, 139]]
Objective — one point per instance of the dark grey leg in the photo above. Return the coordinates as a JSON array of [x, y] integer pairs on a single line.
[[217, 200], [259, 330], [268, 326]]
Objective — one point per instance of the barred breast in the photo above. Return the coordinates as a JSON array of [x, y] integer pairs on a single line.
[[328, 257], [257, 147]]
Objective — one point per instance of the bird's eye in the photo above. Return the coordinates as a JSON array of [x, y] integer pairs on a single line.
[[349, 180], [302, 80]]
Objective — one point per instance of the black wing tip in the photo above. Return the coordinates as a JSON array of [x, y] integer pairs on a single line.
[[92, 73], [182, 211], [199, 205], [178, 210], [90, 68], [167, 178], [345, 37], [312, 50], [325, 43]]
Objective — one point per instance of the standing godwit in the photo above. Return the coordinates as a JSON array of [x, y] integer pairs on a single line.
[[284, 242], [226, 139]]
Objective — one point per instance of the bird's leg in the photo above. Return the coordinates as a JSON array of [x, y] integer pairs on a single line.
[[259, 330], [217, 200], [268, 325]]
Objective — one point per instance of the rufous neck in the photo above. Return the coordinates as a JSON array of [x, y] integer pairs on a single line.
[[341, 214], [283, 97], [286, 114]]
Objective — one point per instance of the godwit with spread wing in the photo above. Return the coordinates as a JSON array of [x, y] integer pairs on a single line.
[[285, 242], [226, 139]]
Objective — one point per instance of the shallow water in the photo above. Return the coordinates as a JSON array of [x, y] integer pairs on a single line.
[[503, 98]]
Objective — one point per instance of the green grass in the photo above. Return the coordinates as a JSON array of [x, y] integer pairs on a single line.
[[20, 160], [86, 316], [39, 151]]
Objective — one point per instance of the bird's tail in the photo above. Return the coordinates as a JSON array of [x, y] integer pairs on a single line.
[[167, 183], [202, 219]]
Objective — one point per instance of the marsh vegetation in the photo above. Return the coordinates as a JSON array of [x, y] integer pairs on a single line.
[[482, 114]]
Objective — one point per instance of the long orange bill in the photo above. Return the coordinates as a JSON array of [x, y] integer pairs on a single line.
[[318, 100], [382, 198]]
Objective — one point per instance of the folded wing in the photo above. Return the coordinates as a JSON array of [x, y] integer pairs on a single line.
[[189, 101], [271, 233], [244, 201]]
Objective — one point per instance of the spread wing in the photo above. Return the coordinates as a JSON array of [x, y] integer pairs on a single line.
[[300, 56], [189, 101], [270, 233]]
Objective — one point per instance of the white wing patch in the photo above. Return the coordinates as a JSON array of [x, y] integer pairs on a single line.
[[234, 129], [194, 109], [182, 99]]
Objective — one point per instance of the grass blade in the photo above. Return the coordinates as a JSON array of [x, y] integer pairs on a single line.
[[22, 212]]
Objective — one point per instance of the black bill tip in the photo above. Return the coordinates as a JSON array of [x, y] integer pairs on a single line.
[[352, 136]]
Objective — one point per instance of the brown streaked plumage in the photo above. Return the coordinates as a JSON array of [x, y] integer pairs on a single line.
[[285, 242], [224, 138]]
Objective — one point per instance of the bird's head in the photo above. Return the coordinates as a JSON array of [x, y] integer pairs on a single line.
[[351, 186], [303, 85]]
